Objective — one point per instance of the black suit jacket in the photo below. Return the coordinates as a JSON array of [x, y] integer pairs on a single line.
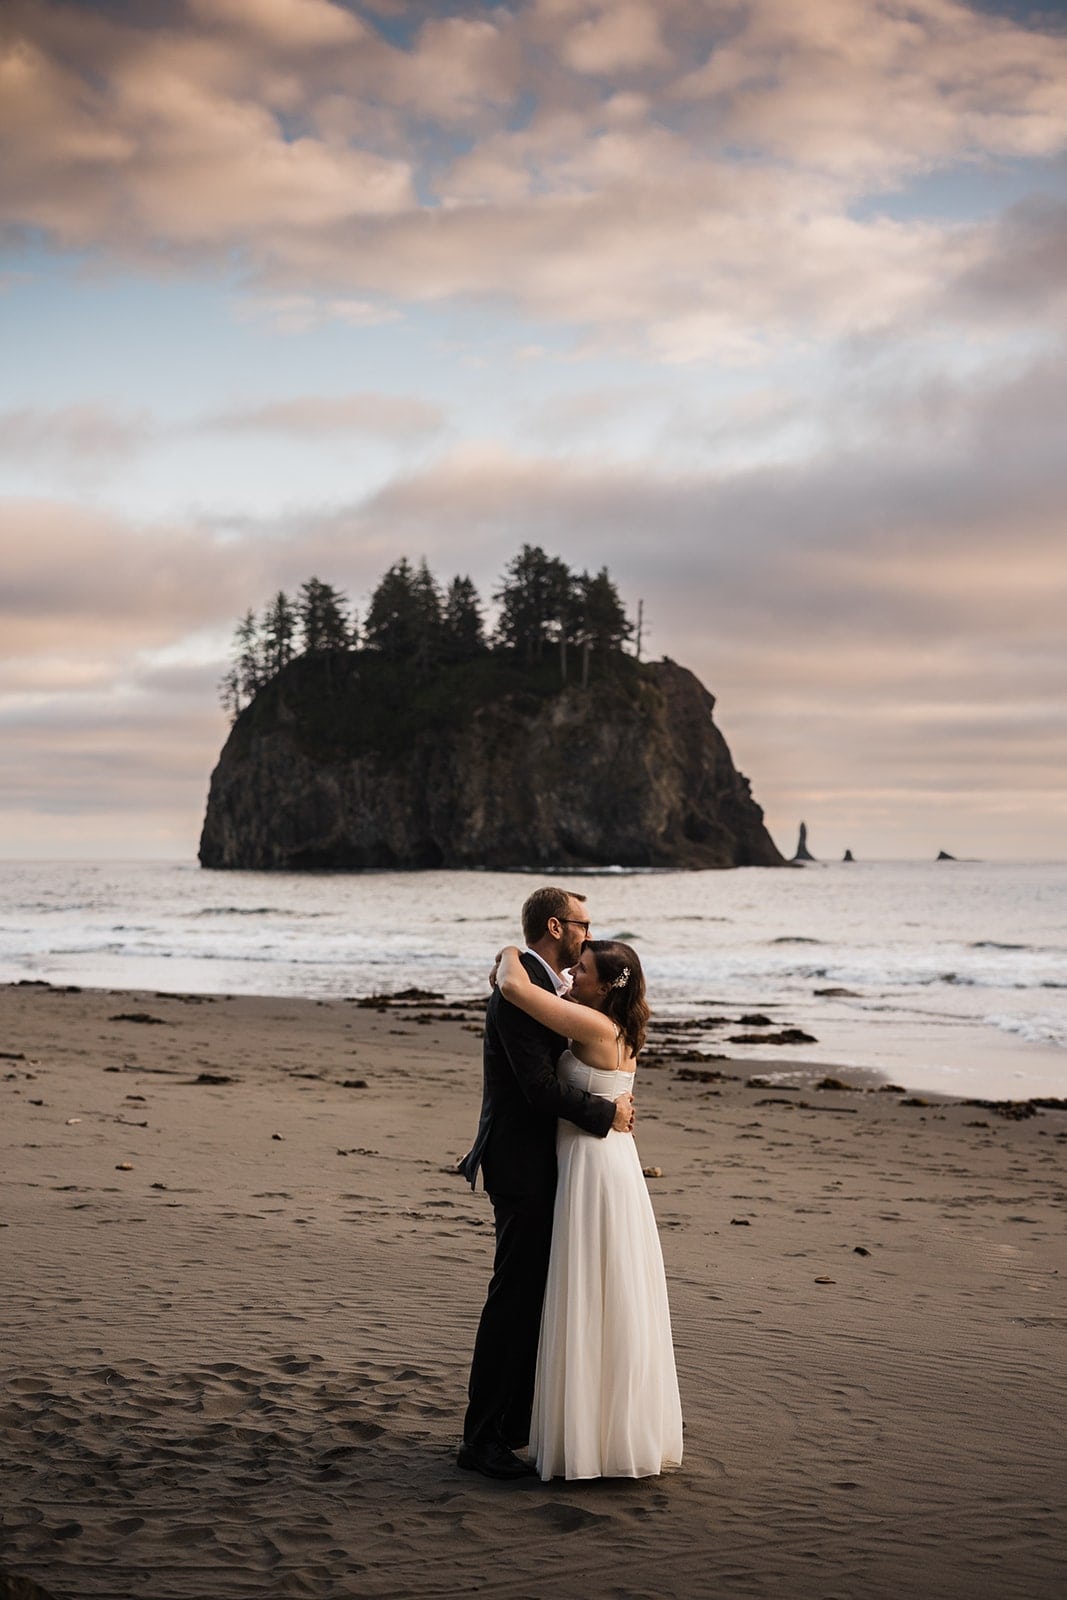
[[522, 1099]]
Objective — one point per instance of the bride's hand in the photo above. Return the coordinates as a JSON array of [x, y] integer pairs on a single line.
[[496, 969]]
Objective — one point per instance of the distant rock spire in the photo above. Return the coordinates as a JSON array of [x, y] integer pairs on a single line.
[[848, 856], [802, 851]]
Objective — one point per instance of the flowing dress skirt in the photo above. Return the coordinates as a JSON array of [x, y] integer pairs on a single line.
[[606, 1398]]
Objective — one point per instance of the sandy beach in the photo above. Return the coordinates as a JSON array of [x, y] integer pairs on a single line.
[[241, 1281]]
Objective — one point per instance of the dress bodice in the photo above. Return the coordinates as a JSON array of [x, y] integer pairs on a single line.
[[594, 1080]]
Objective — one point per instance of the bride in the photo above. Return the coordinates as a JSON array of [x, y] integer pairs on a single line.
[[606, 1396]]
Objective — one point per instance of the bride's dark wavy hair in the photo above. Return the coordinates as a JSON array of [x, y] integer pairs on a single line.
[[625, 1005]]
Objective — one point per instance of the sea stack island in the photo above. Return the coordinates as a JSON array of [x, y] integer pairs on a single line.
[[417, 743]]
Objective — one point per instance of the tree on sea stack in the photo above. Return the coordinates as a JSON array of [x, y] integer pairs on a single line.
[[324, 624], [604, 624], [248, 671], [429, 609], [230, 693], [544, 604], [404, 617], [536, 600], [279, 632], [462, 628]]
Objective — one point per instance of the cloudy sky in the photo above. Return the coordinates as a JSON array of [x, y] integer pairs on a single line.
[[762, 304]]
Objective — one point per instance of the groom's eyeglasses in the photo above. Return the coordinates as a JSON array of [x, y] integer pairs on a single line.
[[585, 926]]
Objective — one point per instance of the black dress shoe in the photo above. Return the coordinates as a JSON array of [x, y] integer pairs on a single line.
[[516, 1434], [493, 1461]]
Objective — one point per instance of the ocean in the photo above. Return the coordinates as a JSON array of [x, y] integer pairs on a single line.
[[954, 974]]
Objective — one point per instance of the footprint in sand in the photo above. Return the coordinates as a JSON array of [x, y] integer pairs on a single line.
[[366, 1431], [293, 1364], [190, 1533], [567, 1519], [126, 1525]]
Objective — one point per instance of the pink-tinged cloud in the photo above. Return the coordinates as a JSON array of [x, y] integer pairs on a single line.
[[83, 440], [385, 416], [865, 88], [78, 579], [577, 159], [616, 37], [291, 25]]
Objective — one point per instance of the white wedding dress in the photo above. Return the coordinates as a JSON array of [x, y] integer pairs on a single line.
[[606, 1396]]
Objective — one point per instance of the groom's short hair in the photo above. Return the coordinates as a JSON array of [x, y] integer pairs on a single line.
[[540, 906]]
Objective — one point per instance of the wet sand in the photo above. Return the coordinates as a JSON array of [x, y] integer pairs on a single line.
[[237, 1317]]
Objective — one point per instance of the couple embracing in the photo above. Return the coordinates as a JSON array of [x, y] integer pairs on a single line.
[[573, 1358]]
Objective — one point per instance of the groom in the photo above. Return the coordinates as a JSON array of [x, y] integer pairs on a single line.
[[515, 1147]]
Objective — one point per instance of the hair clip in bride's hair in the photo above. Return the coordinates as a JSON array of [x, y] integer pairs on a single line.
[[622, 980]]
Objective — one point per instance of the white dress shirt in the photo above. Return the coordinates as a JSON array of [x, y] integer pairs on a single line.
[[561, 981]]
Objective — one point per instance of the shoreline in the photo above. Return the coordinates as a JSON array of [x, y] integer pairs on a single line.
[[679, 1051], [887, 968], [244, 1276]]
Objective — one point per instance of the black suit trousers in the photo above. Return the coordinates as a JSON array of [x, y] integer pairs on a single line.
[[505, 1350]]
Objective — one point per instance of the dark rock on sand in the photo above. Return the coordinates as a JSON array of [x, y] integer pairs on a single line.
[[784, 1036], [354, 761], [655, 1057], [13, 1588], [1012, 1110]]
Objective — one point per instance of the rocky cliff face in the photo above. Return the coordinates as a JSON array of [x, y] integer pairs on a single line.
[[344, 762]]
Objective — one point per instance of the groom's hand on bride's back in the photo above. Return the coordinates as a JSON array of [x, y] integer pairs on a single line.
[[625, 1115]]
